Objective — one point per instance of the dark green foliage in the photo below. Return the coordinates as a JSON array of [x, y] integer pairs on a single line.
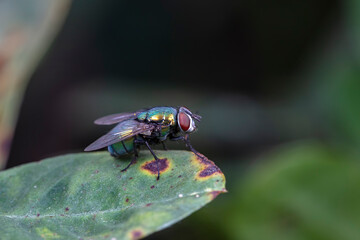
[[303, 191]]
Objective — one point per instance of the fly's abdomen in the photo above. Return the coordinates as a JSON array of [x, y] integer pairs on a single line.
[[122, 148]]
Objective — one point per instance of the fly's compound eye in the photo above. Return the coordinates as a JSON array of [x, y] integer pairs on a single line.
[[185, 122]]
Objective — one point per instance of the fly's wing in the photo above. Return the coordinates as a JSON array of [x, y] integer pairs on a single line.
[[115, 118], [122, 131]]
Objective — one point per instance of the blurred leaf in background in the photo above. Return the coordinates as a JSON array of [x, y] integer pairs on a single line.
[[301, 191], [26, 31], [333, 81]]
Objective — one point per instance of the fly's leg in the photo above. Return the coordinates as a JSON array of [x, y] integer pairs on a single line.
[[134, 158], [187, 143], [179, 138], [156, 158], [164, 146], [131, 163]]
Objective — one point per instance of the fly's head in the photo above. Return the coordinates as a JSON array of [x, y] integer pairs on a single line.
[[186, 120]]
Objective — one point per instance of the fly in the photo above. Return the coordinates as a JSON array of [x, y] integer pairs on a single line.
[[146, 127]]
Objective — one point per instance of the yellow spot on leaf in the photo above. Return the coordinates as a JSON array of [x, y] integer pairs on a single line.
[[46, 233], [136, 233], [206, 168]]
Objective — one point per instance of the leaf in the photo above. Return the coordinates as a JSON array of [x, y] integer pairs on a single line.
[[87, 196]]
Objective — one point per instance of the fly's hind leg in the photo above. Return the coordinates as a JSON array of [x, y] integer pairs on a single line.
[[133, 160]]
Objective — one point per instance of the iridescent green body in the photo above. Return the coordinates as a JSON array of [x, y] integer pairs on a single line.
[[164, 116], [122, 148]]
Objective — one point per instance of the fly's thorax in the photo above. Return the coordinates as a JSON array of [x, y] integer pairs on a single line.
[[160, 132], [164, 132], [163, 115]]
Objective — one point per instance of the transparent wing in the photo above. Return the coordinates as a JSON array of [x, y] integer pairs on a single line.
[[122, 131], [115, 118]]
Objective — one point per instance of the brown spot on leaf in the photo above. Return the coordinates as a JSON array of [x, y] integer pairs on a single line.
[[204, 160], [136, 234], [151, 167], [207, 167], [210, 170]]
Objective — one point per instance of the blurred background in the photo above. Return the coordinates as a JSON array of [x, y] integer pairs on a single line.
[[276, 82]]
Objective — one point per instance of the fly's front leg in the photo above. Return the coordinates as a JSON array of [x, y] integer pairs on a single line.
[[179, 138], [187, 143]]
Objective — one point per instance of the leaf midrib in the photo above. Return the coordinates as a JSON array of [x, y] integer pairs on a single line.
[[91, 213]]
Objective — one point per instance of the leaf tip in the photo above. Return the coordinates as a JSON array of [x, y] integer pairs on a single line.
[[214, 194]]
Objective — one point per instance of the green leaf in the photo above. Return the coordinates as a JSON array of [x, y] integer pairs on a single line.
[[87, 196]]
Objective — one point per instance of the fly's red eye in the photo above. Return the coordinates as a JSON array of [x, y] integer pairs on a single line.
[[184, 121]]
